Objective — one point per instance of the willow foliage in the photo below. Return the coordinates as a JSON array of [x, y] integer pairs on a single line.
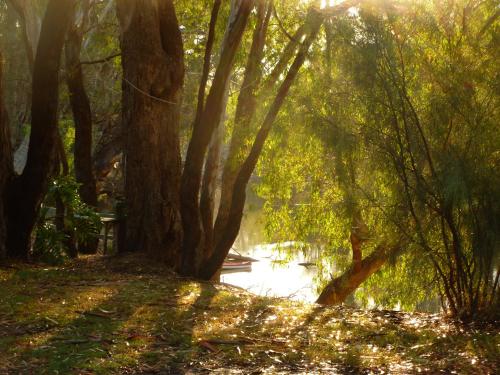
[[397, 117]]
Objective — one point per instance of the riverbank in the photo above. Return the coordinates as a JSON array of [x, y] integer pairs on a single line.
[[103, 315]]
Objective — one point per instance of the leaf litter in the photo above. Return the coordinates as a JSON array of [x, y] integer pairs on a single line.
[[125, 316]]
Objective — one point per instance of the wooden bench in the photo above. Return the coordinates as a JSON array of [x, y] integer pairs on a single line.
[[108, 220]]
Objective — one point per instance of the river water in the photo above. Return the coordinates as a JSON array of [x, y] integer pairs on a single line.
[[278, 272], [272, 276]]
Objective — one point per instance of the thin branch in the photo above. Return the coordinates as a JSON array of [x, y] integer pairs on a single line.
[[282, 28], [206, 62], [103, 60]]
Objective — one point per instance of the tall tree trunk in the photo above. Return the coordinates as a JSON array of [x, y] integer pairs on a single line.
[[212, 163], [26, 192], [213, 264], [82, 116], [237, 146], [209, 186], [207, 198], [245, 110], [192, 246], [153, 74], [206, 62], [5, 164], [341, 287]]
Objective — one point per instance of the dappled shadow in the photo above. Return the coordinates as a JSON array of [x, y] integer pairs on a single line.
[[30, 296], [174, 347], [78, 342], [76, 317], [129, 317], [288, 345]]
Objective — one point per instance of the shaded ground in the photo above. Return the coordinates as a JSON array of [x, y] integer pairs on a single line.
[[102, 316]]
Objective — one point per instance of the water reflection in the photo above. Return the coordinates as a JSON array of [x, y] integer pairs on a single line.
[[279, 273], [272, 276]]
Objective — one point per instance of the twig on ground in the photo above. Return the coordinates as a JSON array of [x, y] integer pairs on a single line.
[[92, 313]]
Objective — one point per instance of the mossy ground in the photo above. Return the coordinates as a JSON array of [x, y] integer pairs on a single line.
[[119, 315]]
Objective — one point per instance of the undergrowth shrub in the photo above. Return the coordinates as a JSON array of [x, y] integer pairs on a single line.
[[81, 223]]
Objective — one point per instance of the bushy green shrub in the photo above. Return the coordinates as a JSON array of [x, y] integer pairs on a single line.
[[49, 246], [81, 222]]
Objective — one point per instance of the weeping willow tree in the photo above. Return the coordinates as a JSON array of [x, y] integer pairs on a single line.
[[399, 154]]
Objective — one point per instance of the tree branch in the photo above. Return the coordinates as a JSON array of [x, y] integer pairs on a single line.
[[103, 60]]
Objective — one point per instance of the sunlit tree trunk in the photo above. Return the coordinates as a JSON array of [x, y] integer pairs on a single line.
[[25, 193], [230, 232], [206, 62], [193, 244], [245, 110], [250, 96], [209, 184], [212, 162], [153, 74], [341, 287]]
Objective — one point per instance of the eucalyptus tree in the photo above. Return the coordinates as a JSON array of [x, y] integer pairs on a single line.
[[82, 113], [205, 238], [153, 74], [25, 192], [80, 106]]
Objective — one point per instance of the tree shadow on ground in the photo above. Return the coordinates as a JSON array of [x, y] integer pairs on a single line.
[[174, 348], [91, 318], [135, 318], [29, 298], [77, 344]]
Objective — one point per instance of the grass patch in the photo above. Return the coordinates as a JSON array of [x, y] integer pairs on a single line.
[[101, 316]]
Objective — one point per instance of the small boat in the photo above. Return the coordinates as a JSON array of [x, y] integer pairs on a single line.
[[307, 264], [231, 265], [233, 257]]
